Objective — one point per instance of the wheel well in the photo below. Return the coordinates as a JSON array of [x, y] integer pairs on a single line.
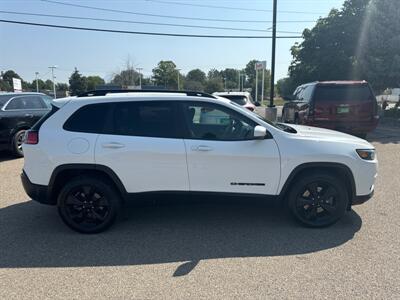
[[337, 170], [66, 175]]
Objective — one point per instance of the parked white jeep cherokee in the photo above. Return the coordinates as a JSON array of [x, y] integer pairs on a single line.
[[92, 153]]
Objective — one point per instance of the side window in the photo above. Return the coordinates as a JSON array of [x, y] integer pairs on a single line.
[[214, 122], [307, 93], [149, 118], [26, 102], [92, 118]]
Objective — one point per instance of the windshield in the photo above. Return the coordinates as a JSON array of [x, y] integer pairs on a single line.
[[241, 100]]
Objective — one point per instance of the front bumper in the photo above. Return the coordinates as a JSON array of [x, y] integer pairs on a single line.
[[37, 192], [362, 199]]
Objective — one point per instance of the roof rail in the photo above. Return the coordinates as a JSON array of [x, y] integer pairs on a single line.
[[114, 91]]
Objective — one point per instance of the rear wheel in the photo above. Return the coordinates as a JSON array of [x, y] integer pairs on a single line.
[[318, 200], [88, 205], [17, 141]]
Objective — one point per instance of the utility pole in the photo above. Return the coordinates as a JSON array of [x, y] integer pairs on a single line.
[[37, 84], [263, 84], [178, 78], [271, 95], [239, 81], [53, 78], [140, 76]]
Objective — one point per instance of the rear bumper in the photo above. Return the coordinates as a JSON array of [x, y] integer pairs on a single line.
[[37, 192], [362, 199]]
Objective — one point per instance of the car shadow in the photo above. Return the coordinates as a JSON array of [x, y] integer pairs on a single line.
[[5, 155], [164, 231], [385, 135]]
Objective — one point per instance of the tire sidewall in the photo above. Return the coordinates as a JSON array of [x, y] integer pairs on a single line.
[[338, 185], [103, 187], [14, 145]]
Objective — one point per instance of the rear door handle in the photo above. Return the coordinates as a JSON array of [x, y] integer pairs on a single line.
[[29, 115], [113, 145], [201, 148]]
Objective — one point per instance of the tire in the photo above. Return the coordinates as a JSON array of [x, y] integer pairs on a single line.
[[296, 119], [318, 200], [16, 144], [88, 205]]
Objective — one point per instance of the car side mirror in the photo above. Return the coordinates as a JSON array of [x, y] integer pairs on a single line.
[[257, 104], [259, 132]]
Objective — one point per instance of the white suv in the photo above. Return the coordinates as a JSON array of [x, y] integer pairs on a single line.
[[92, 153]]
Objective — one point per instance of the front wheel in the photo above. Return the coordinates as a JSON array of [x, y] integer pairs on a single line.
[[318, 200], [88, 205]]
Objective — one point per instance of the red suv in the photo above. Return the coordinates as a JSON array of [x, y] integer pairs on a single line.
[[348, 106]]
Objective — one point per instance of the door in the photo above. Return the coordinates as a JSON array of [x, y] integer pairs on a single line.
[[222, 154], [143, 147], [345, 103]]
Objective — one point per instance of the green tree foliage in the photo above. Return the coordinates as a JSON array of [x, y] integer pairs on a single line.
[[379, 45], [77, 83], [230, 77], [166, 74], [285, 87], [93, 82], [62, 86], [195, 80], [328, 50]]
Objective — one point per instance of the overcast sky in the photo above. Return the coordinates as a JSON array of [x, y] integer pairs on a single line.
[[28, 49]]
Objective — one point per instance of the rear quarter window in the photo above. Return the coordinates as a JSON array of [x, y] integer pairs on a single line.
[[344, 93], [92, 118]]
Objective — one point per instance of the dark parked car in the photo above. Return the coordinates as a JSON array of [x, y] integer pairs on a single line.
[[348, 106], [18, 112]]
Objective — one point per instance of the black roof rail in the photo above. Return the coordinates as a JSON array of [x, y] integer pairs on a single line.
[[114, 91]]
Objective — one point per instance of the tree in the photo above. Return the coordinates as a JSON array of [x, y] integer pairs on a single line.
[[285, 87], [126, 77], [62, 86], [378, 55], [195, 80], [77, 83], [93, 82], [231, 78], [328, 51], [214, 85], [166, 74], [6, 81]]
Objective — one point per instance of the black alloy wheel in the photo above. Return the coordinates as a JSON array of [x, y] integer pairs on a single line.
[[88, 205], [318, 200]]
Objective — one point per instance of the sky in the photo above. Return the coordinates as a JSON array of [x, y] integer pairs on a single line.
[[29, 49]]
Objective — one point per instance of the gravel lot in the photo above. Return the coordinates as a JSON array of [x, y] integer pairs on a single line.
[[204, 249]]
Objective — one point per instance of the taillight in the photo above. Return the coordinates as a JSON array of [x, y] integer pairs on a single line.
[[31, 137]]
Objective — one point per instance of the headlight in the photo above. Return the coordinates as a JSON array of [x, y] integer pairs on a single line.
[[366, 154]]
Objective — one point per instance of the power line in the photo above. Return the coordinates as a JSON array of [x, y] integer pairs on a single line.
[[169, 16], [148, 33], [232, 7], [136, 22]]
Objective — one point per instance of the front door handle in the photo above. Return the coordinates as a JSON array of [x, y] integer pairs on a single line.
[[29, 115], [113, 145], [201, 148]]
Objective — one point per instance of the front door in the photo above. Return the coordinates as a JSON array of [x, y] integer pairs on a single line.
[[222, 154]]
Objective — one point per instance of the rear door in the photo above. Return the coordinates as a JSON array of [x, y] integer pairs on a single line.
[[222, 155], [143, 147], [344, 103]]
